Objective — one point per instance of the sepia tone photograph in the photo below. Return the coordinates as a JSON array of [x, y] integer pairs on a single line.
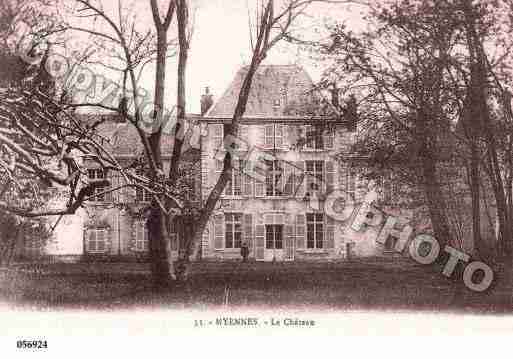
[[256, 164]]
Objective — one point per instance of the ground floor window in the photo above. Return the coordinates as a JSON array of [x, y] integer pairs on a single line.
[[141, 237], [233, 230], [97, 241], [314, 230], [274, 236]]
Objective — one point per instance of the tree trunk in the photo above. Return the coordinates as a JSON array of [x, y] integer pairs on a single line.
[[435, 202], [475, 190], [162, 268], [160, 249], [182, 14]]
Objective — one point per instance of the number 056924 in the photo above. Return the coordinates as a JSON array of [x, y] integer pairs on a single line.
[[32, 344]]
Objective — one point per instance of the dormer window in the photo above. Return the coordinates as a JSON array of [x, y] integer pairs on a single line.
[[277, 103]]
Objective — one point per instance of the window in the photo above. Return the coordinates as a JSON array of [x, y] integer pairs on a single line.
[[314, 230], [314, 175], [234, 186], [314, 138], [273, 236], [233, 232], [141, 237], [274, 136], [97, 240], [98, 174], [273, 178], [319, 138]]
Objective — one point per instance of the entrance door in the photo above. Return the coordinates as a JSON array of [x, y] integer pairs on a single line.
[[274, 242]]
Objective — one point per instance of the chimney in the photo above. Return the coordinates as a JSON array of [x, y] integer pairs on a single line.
[[206, 101]]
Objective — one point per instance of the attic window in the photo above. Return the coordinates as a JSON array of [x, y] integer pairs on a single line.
[[277, 103]]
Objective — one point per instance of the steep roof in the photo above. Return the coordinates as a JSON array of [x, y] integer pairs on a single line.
[[274, 88], [122, 139]]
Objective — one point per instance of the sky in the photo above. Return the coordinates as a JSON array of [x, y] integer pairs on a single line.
[[221, 44]]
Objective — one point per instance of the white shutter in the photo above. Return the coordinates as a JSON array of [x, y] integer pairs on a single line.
[[330, 176], [300, 231], [288, 179], [259, 242], [259, 188], [244, 137], [101, 238], [243, 132], [247, 185], [88, 235], [217, 135], [329, 138], [268, 136], [261, 136], [330, 232], [138, 236], [247, 225], [300, 179], [219, 231], [309, 145], [289, 240], [279, 134]]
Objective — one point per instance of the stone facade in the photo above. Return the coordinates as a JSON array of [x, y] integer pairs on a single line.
[[277, 219]]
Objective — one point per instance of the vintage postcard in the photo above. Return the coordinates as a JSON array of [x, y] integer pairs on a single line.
[[238, 168]]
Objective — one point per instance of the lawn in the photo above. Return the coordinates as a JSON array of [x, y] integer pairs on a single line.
[[368, 284]]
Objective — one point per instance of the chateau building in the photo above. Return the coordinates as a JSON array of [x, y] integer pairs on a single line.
[[280, 215]]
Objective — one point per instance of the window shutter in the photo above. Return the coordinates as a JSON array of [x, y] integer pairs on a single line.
[[289, 242], [244, 132], [88, 237], [287, 130], [261, 136], [330, 232], [108, 196], [137, 231], [219, 231], [268, 136], [300, 231], [247, 224], [279, 134], [259, 188], [288, 179], [259, 242], [243, 138], [308, 143], [329, 139], [218, 135], [300, 180], [101, 237], [219, 165], [247, 185], [330, 176]]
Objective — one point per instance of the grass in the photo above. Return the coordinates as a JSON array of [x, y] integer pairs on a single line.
[[368, 284]]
